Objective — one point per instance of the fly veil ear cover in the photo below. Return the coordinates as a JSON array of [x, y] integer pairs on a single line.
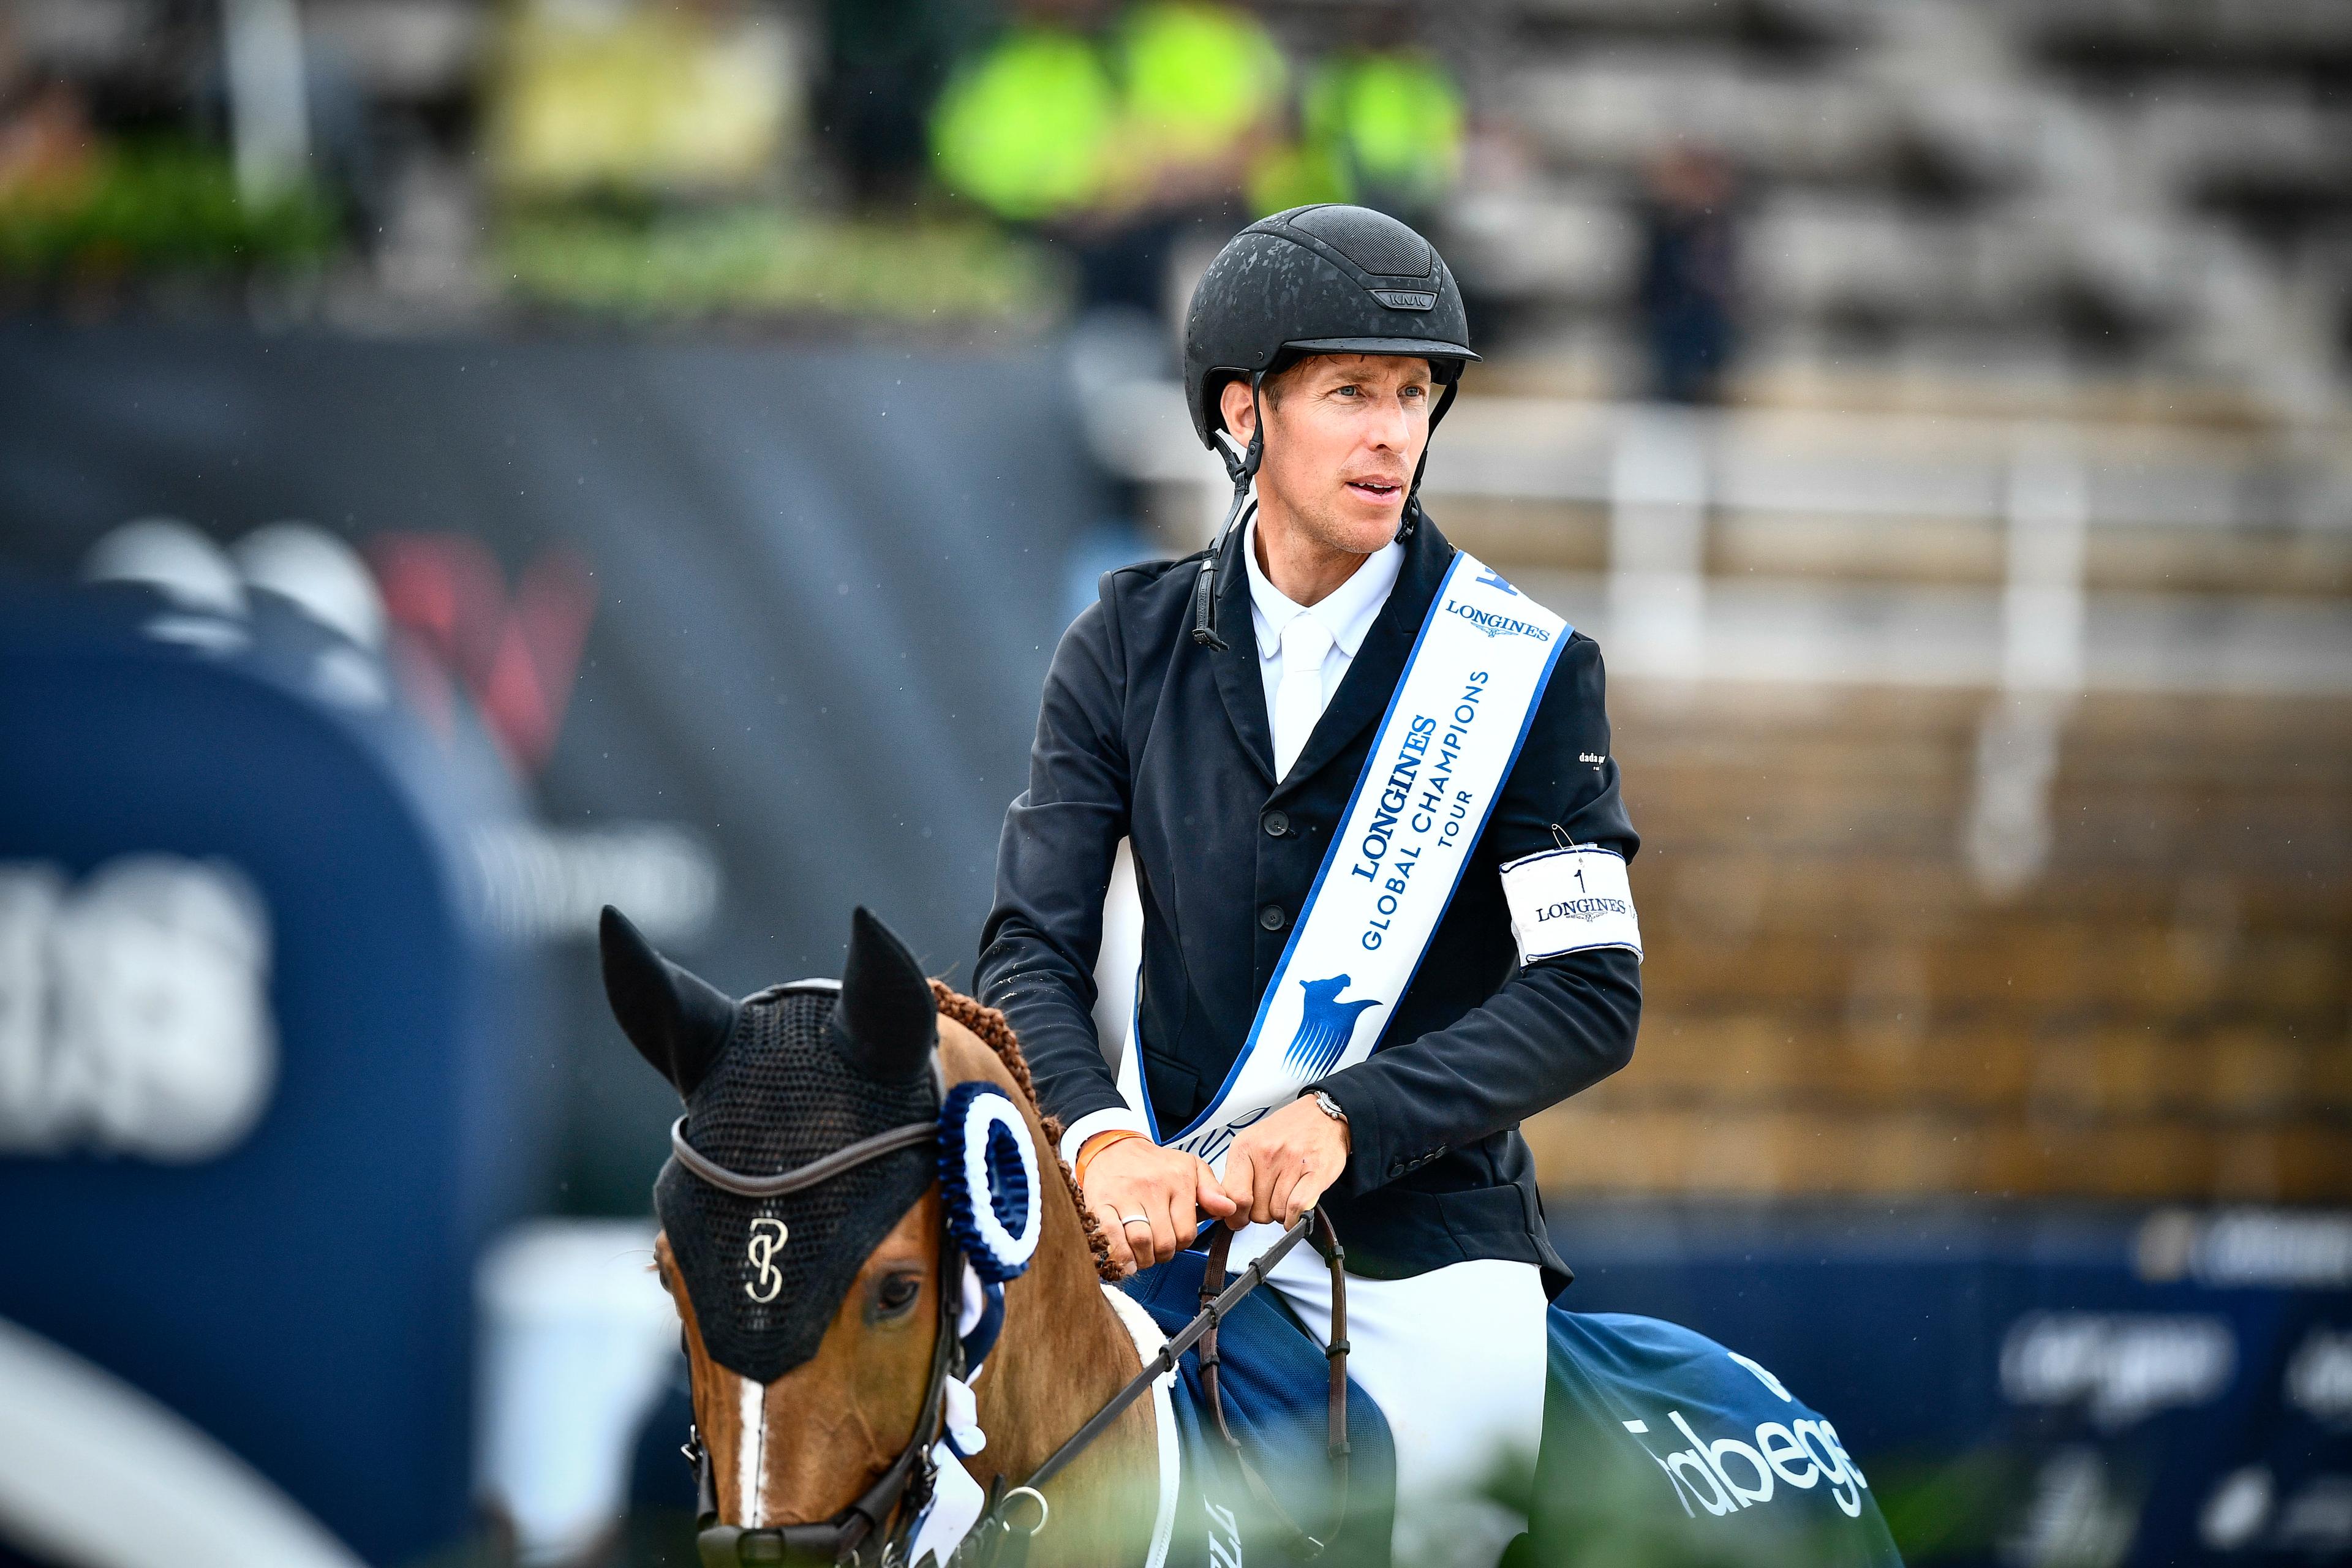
[[772, 1083]]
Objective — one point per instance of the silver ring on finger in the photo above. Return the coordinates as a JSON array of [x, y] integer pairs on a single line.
[[1128, 1219]]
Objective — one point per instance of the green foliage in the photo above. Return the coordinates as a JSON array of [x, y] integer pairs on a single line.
[[763, 261], [160, 206], [1950, 1508]]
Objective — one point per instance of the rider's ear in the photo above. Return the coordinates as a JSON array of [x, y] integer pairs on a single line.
[[886, 1021], [678, 1021]]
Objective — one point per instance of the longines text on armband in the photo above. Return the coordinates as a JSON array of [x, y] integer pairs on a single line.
[[1582, 910]]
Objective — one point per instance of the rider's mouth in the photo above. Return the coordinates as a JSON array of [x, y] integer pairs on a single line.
[[1383, 491]]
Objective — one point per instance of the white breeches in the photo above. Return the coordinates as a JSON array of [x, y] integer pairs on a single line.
[[1455, 1359]]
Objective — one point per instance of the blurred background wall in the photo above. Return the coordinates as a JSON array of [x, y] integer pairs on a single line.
[[463, 463]]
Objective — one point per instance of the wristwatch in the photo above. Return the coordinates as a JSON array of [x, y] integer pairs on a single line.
[[1327, 1106]]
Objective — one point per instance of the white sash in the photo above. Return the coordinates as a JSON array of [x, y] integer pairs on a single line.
[[1454, 726]]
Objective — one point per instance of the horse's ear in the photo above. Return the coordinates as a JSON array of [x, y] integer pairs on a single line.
[[678, 1021], [886, 1019]]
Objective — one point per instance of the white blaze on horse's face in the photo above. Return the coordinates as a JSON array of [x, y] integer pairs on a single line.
[[751, 1450]]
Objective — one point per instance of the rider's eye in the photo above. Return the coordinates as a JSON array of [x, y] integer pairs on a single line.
[[897, 1292]]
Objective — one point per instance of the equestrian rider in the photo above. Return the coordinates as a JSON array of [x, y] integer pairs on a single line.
[[1231, 713]]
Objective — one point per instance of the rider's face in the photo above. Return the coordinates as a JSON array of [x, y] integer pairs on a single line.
[[1344, 433]]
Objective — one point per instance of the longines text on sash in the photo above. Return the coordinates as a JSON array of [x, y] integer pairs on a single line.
[[1431, 810]]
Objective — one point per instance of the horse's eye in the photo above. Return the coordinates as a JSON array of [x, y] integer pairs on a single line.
[[897, 1292]]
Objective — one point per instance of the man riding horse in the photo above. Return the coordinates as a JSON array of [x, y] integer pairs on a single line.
[[1378, 837]]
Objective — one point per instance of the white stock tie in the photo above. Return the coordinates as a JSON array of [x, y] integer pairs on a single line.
[[1298, 698]]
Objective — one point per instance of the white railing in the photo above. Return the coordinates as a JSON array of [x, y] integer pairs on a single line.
[[2034, 633], [2041, 490]]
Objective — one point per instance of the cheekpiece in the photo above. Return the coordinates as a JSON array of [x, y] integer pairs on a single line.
[[989, 1180]]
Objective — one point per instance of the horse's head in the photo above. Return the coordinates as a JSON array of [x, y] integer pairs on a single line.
[[805, 1239]]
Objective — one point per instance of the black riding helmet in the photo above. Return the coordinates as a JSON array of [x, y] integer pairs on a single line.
[[1313, 280]]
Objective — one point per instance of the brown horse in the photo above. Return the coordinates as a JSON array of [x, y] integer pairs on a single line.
[[814, 1321]]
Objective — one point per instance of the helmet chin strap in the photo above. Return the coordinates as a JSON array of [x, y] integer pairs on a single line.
[[1412, 513], [1241, 466]]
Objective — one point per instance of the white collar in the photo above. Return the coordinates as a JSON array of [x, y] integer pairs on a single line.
[[1346, 612]]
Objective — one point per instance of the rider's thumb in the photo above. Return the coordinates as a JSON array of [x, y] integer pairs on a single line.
[[1239, 1189], [1212, 1196]]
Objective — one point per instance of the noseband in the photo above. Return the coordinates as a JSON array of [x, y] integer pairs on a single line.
[[893, 1504]]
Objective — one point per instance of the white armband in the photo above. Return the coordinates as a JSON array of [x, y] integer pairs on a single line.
[[1567, 901]]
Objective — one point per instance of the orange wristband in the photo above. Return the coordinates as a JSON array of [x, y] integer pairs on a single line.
[[1097, 1145]]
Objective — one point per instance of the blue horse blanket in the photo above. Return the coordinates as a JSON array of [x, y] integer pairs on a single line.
[[1660, 1447]]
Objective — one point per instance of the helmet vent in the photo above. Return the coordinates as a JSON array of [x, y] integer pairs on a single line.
[[1380, 245]]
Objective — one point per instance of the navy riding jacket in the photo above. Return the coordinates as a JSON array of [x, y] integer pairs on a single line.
[[1145, 735]]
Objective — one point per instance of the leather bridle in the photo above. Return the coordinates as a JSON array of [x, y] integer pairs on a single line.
[[891, 1508], [892, 1505]]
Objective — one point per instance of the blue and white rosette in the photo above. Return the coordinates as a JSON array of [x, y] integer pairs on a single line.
[[990, 1181]]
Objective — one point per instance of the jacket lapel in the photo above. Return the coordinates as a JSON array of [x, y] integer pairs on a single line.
[[1372, 679], [1238, 680]]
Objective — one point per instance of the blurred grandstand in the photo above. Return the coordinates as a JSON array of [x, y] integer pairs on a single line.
[[1939, 410]]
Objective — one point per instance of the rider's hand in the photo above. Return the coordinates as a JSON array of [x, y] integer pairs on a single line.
[[1136, 1178], [1280, 1164]]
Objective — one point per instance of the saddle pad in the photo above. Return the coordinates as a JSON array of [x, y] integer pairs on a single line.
[[1661, 1446], [1276, 1387]]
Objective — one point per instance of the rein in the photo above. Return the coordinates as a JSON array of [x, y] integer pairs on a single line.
[[894, 1504], [997, 1541]]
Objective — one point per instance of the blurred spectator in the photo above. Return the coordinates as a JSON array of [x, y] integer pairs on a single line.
[[885, 63], [1111, 133], [1025, 126], [1202, 82], [47, 149], [47, 154], [1382, 123], [638, 97], [1689, 283]]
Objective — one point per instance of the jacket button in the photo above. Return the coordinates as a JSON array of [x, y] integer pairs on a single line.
[[1276, 823], [1270, 916]]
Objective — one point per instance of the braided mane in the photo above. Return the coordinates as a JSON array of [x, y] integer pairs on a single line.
[[995, 1031]]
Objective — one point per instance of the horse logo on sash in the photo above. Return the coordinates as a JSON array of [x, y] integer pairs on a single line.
[[1327, 1028]]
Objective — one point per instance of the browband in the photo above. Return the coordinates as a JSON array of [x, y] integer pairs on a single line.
[[848, 1157]]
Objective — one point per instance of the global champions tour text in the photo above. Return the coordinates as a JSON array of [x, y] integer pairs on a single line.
[[1436, 807]]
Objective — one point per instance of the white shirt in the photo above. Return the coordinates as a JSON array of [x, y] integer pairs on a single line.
[[1346, 612]]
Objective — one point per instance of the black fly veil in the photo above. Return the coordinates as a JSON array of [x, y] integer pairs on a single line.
[[772, 1083]]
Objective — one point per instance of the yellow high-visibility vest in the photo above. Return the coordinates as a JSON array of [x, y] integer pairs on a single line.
[[1024, 129]]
